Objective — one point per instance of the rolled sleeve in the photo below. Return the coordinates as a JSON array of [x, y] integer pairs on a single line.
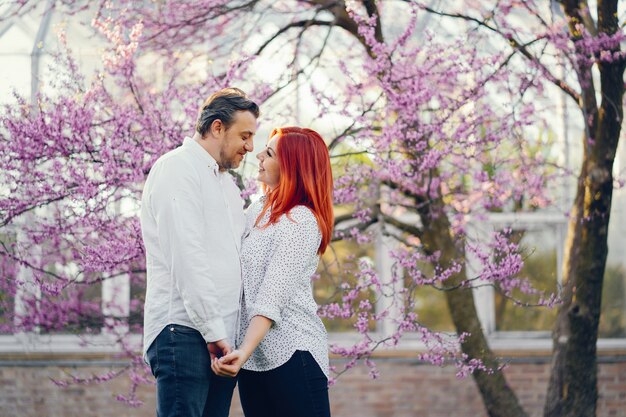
[[269, 311]]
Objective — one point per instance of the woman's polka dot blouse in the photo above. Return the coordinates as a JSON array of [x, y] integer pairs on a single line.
[[278, 262]]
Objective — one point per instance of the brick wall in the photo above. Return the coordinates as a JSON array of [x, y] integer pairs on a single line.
[[405, 388]]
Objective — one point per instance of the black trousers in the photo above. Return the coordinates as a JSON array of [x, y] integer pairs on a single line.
[[297, 388]]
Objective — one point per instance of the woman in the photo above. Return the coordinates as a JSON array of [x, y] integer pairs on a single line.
[[284, 353]]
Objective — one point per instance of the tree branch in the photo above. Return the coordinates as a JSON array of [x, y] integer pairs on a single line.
[[407, 228], [561, 84], [307, 23]]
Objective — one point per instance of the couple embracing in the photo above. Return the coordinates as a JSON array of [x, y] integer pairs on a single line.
[[229, 296]]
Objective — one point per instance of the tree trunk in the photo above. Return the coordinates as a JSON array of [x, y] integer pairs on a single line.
[[498, 397], [572, 391]]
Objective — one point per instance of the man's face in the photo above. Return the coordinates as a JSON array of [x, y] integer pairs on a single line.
[[237, 140]]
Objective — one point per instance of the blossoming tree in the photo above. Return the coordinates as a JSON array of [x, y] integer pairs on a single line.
[[434, 129]]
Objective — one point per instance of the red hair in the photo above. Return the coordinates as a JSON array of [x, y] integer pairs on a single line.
[[305, 179]]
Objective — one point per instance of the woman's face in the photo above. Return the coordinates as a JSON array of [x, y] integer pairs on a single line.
[[269, 167]]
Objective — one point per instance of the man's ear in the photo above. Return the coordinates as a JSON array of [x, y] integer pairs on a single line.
[[217, 128]]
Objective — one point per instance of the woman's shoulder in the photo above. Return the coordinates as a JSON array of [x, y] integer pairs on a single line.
[[301, 213], [299, 228], [298, 217], [256, 206]]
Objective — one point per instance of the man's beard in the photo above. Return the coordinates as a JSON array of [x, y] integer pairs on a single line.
[[228, 163]]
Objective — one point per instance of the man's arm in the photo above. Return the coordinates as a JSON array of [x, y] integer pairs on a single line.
[[179, 214]]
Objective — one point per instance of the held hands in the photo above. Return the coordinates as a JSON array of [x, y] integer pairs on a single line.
[[233, 360], [230, 364]]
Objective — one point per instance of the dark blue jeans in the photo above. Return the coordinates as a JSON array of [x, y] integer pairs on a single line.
[[297, 388], [186, 386]]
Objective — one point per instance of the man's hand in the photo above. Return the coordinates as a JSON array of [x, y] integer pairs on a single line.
[[219, 348], [230, 364]]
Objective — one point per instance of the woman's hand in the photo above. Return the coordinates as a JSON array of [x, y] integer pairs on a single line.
[[230, 364]]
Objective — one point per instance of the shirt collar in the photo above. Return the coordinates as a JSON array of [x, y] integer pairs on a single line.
[[202, 154]]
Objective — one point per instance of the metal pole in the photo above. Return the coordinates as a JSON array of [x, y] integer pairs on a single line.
[[35, 55]]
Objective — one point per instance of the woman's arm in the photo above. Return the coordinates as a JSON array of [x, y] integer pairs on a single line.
[[230, 364], [297, 240]]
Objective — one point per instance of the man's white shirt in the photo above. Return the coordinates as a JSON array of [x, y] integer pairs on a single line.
[[192, 221]]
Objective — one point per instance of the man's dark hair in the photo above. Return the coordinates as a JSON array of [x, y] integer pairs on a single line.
[[222, 105]]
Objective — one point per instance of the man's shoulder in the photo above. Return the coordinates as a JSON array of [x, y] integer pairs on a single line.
[[177, 160], [173, 156]]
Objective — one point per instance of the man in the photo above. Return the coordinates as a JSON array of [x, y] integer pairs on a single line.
[[192, 221]]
